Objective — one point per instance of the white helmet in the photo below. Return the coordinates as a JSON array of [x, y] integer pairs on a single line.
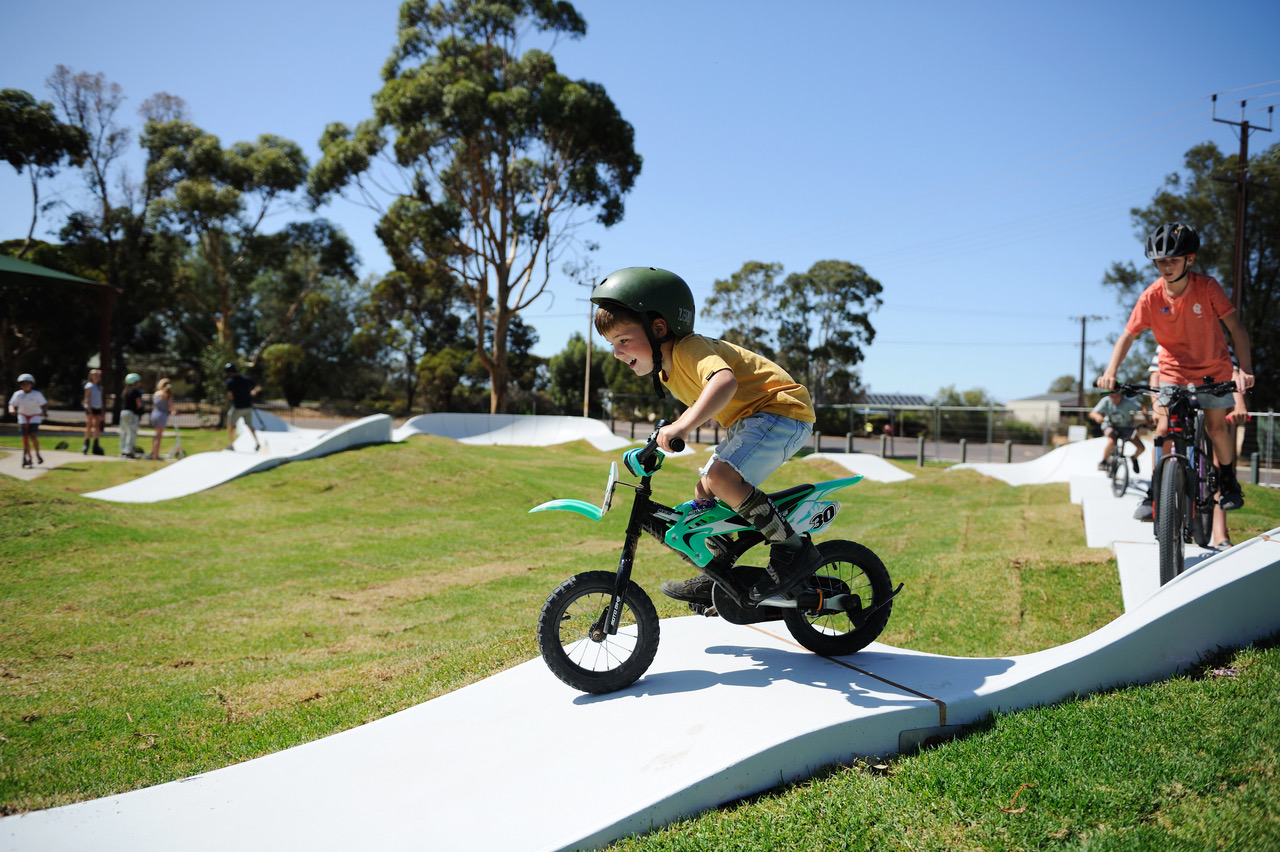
[[26, 377]]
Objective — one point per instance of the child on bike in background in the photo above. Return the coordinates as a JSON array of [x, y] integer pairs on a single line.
[[646, 315], [1115, 412], [1186, 311]]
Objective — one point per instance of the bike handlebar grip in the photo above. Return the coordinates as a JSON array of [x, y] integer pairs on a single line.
[[677, 445]]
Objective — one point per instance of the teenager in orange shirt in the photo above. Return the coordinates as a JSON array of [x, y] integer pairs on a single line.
[[1186, 311]]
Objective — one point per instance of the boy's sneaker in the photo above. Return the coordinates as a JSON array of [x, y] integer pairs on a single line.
[[1230, 497], [1145, 510], [84, 451], [1102, 465], [788, 567], [1225, 544], [694, 590], [1136, 469]]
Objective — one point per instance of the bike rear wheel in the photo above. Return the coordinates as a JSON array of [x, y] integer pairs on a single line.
[[1171, 519], [573, 641], [847, 568], [1118, 466]]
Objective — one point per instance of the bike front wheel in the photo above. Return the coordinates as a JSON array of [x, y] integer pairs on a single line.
[[847, 568], [1171, 520], [575, 644], [1119, 467]]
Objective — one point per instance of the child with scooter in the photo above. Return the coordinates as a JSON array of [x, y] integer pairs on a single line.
[[31, 408]]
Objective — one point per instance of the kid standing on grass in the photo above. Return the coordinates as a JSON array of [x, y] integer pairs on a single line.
[[31, 407], [1186, 311], [646, 314], [130, 414]]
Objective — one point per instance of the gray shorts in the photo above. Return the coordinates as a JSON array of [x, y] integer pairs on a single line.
[[758, 445], [238, 414], [1206, 400]]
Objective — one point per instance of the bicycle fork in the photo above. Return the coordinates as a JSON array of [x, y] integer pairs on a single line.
[[611, 618]]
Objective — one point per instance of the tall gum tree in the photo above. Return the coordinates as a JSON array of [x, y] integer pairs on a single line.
[[483, 159], [219, 198]]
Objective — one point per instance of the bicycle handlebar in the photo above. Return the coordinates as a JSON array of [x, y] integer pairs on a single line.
[[645, 456], [1214, 388]]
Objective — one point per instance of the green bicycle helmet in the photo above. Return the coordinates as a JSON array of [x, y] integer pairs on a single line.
[[650, 292], [132, 378]]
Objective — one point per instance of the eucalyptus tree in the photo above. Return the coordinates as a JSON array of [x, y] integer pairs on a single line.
[[483, 158], [814, 324], [826, 325], [747, 304], [218, 198], [32, 138], [411, 321]]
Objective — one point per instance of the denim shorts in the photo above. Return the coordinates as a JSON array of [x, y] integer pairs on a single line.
[[1206, 400], [756, 446]]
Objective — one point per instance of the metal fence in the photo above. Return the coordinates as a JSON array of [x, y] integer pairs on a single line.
[[922, 433], [951, 434]]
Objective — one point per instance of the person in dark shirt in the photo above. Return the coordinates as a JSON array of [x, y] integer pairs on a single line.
[[240, 391]]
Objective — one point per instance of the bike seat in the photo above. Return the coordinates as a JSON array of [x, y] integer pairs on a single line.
[[785, 493]]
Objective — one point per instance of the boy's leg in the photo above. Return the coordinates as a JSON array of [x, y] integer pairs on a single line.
[[1224, 451], [792, 557], [752, 450]]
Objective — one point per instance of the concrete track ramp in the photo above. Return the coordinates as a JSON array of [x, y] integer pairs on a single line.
[[520, 761], [278, 443], [519, 430]]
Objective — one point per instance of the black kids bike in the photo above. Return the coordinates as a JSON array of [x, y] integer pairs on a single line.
[[598, 631], [1117, 465], [1185, 482]]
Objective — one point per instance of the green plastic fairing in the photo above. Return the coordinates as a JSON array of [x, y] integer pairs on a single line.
[[582, 507]]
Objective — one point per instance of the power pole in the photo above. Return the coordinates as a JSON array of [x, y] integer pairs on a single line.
[[1240, 269], [1084, 323]]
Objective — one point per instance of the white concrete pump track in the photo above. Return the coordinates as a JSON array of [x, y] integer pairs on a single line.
[[521, 761]]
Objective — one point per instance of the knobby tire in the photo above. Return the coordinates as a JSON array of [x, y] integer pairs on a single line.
[[1171, 519], [1119, 469], [574, 648], [835, 635]]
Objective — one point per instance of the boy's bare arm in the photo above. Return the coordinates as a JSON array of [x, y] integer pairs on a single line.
[[1107, 380], [1240, 343], [716, 394]]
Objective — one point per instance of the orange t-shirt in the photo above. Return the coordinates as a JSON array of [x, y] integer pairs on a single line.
[[1187, 329]]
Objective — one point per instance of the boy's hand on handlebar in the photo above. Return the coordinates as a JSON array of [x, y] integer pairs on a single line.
[[671, 438], [1106, 381]]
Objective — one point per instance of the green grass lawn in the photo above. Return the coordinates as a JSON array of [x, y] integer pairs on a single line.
[[144, 643]]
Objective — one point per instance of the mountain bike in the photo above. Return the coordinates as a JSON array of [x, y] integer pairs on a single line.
[[1185, 482], [598, 631]]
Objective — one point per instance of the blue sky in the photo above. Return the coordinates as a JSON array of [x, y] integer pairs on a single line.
[[978, 159]]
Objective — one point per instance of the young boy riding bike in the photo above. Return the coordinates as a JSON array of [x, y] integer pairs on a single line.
[[1115, 414], [1186, 311], [646, 315]]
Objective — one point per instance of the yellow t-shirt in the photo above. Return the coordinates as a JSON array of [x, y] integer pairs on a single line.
[[762, 384]]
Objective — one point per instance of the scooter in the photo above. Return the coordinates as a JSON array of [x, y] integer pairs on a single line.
[[177, 452], [598, 631]]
